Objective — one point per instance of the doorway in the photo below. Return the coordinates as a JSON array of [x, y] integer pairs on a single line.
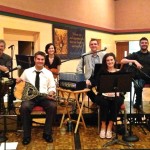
[[122, 50], [25, 48]]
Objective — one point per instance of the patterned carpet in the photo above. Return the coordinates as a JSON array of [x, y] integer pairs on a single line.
[[84, 139]]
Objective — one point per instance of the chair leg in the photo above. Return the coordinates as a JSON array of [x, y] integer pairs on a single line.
[[62, 120]]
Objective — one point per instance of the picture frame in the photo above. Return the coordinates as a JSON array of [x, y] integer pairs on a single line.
[[69, 41]]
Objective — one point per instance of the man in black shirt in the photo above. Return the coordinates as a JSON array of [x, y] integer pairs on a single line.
[[141, 65], [5, 65], [5, 60]]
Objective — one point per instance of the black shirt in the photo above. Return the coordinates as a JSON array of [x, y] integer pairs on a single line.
[[5, 60], [55, 63], [144, 60]]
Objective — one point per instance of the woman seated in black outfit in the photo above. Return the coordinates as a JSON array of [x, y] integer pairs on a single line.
[[52, 61], [109, 104]]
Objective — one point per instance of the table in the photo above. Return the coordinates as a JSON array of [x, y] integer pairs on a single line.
[[75, 95]]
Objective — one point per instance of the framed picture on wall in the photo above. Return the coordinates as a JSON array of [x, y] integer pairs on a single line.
[[69, 41], [61, 41]]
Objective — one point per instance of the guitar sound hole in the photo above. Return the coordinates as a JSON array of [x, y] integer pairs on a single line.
[[30, 92]]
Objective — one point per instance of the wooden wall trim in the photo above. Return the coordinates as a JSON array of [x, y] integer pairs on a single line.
[[31, 15]]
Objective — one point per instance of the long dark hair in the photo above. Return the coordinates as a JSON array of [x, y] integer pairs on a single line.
[[104, 64]]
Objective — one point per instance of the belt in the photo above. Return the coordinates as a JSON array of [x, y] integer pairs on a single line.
[[109, 98]]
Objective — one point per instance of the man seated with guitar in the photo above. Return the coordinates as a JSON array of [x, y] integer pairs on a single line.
[[52, 61], [43, 80]]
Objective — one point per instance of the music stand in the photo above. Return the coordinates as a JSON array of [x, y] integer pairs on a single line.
[[25, 61], [116, 82]]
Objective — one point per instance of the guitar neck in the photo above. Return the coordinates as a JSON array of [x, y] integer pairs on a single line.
[[43, 94]]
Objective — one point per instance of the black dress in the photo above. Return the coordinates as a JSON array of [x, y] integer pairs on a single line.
[[56, 62]]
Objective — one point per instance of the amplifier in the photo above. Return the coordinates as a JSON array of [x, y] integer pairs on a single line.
[[71, 76], [72, 85]]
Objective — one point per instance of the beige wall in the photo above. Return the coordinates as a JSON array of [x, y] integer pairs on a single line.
[[25, 28], [132, 14], [15, 29], [131, 37], [107, 40], [94, 12], [109, 14]]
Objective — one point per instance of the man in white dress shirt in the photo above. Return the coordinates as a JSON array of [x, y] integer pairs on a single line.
[[46, 84]]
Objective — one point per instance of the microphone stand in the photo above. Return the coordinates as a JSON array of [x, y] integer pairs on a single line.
[[10, 92], [140, 110], [86, 54], [12, 53], [82, 56]]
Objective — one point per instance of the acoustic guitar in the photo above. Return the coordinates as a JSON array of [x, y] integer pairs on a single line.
[[26, 91], [54, 71]]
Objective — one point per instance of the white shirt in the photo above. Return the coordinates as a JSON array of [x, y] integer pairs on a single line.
[[47, 82]]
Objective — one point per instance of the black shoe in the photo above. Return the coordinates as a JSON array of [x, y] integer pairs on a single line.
[[93, 107], [136, 106], [48, 138], [26, 140]]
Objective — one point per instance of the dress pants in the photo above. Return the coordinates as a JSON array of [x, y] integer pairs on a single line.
[[91, 94], [25, 111], [109, 107]]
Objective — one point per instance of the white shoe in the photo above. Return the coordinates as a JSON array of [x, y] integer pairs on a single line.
[[109, 134], [102, 134]]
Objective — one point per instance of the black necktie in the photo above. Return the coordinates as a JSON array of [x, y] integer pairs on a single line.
[[37, 80]]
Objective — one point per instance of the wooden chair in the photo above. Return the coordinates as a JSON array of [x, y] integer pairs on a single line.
[[38, 112]]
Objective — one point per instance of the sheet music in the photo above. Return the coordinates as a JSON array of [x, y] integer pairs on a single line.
[[9, 146]]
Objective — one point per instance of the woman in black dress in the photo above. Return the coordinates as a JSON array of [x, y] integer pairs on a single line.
[[52, 61]]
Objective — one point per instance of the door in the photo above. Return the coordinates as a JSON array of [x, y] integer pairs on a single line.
[[122, 50], [25, 48]]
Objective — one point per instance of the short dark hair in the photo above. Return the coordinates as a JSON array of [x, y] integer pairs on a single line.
[[94, 40], [39, 53], [143, 38], [2, 41], [47, 47]]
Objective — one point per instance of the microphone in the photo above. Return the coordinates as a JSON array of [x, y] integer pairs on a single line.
[[10, 46], [84, 54], [16, 68]]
